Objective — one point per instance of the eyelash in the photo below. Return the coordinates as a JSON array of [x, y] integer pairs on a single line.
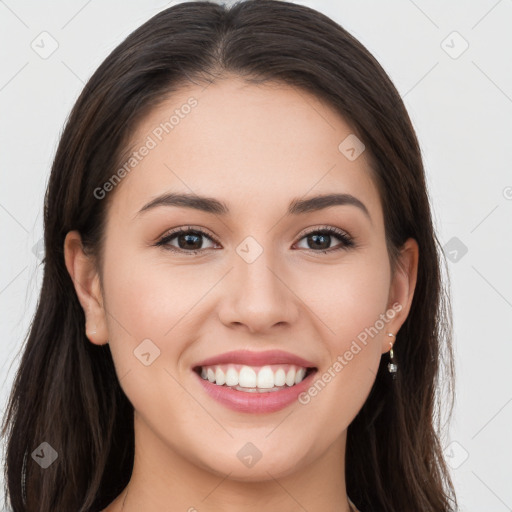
[[347, 241]]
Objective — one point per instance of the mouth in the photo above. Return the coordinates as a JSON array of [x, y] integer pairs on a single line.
[[254, 379], [255, 382]]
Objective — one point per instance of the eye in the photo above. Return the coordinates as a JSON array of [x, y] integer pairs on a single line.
[[321, 239], [188, 240]]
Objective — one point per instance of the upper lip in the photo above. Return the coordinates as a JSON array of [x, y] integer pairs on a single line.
[[249, 358]]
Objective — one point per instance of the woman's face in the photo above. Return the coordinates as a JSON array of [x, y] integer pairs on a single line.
[[260, 279]]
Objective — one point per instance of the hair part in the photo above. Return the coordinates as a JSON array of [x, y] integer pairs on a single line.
[[66, 391]]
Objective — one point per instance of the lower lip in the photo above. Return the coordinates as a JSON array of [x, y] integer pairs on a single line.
[[243, 401]]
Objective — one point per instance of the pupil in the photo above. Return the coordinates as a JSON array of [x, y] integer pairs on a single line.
[[190, 238], [326, 238]]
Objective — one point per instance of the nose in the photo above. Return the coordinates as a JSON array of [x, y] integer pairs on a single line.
[[257, 297]]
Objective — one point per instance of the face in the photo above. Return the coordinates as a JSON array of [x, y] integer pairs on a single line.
[[264, 277]]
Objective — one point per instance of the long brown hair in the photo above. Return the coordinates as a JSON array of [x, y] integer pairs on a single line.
[[66, 391]]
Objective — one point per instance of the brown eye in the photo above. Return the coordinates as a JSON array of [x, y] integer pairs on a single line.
[[320, 240], [190, 241], [187, 240]]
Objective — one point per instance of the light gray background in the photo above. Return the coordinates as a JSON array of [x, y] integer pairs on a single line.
[[461, 107]]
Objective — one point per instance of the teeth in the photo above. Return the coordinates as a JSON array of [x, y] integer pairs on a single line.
[[299, 376], [256, 390], [265, 378], [290, 377], [280, 377], [252, 379], [247, 377], [220, 377], [231, 377]]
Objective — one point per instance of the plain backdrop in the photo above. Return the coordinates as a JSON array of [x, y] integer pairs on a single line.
[[451, 64]]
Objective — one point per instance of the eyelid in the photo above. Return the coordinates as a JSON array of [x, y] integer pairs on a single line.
[[188, 227], [325, 227]]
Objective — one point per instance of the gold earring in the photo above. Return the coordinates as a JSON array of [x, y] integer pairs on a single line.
[[392, 366]]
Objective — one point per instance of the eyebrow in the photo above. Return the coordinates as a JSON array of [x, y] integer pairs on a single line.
[[296, 207]]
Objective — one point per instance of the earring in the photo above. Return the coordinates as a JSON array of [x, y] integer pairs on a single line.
[[392, 367]]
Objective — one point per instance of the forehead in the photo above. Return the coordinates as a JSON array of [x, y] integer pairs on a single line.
[[253, 146]]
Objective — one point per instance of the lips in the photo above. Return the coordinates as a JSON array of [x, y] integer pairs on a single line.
[[256, 382], [249, 358]]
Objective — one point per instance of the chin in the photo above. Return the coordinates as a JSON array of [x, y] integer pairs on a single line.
[[242, 469]]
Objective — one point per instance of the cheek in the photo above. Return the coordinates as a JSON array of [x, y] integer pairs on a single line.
[[140, 307], [149, 297], [351, 310], [349, 298], [150, 322]]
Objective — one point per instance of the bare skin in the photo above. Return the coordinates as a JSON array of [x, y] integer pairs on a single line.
[[255, 148]]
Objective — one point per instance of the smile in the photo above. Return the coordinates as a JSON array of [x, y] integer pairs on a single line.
[[254, 382], [254, 379]]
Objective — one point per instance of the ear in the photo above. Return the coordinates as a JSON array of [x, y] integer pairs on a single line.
[[86, 279], [401, 291]]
